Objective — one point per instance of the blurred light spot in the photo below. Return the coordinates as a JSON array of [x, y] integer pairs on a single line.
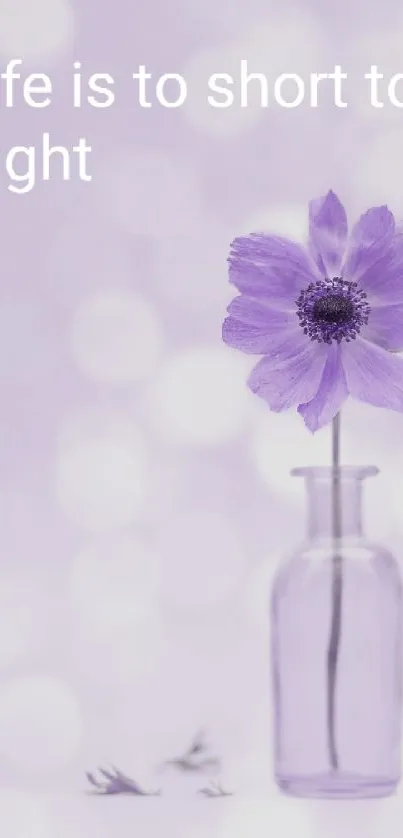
[[86, 255], [281, 442], [269, 47], [217, 122], [110, 656], [25, 617], [224, 15], [351, 818], [116, 337], [28, 348], [273, 46], [363, 423], [382, 508], [149, 193], [100, 473], [262, 816], [35, 29], [192, 270], [289, 221], [201, 397], [389, 497], [250, 770], [382, 48], [75, 818], [257, 591], [40, 723], [170, 702], [377, 171], [167, 488], [114, 580], [202, 560], [23, 815], [386, 820]]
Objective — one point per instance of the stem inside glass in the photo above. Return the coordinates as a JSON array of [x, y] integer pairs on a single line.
[[337, 594]]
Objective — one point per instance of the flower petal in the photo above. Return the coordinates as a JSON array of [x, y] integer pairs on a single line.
[[383, 282], [291, 374], [330, 396], [258, 313], [385, 327], [246, 338], [254, 327], [370, 240], [373, 375], [271, 267], [328, 233]]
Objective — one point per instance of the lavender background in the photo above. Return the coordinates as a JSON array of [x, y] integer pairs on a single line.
[[144, 494]]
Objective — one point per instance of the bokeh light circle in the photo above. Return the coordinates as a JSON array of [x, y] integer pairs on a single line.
[[112, 656], [256, 593], [100, 470], [290, 221], [220, 123], [200, 397], [85, 256], [269, 47], [376, 173], [32, 30], [381, 47], [28, 336], [40, 723], [25, 617], [262, 816], [116, 337], [75, 817], [24, 815], [114, 581], [224, 16], [148, 192], [202, 560], [195, 285], [281, 442]]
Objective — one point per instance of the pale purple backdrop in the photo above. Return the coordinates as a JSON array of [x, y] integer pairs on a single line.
[[145, 495]]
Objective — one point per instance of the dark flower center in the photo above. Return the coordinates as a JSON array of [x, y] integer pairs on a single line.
[[332, 310]]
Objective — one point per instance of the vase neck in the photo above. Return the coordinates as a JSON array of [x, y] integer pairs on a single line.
[[334, 501]]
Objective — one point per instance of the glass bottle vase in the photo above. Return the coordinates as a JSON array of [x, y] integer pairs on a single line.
[[336, 620]]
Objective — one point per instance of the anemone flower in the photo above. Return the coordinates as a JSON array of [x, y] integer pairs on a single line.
[[326, 317]]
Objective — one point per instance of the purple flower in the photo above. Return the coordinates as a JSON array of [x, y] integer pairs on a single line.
[[326, 317]]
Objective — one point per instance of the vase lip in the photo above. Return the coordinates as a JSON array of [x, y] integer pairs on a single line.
[[323, 472]]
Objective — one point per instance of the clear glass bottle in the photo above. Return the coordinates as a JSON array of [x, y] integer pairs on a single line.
[[336, 619]]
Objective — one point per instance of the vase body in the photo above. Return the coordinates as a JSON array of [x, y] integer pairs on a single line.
[[336, 621]]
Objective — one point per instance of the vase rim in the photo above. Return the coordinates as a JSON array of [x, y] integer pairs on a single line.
[[353, 472]]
